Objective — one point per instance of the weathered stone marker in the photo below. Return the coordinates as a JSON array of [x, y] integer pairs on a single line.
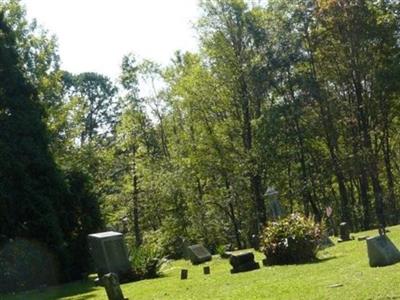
[[362, 238], [227, 251], [381, 251], [344, 232], [275, 209], [184, 274], [325, 241], [198, 254], [185, 251], [242, 262], [113, 289], [206, 270], [226, 254], [109, 253]]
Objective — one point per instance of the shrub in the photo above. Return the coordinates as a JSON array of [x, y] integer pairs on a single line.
[[22, 263], [145, 263], [291, 240], [221, 249]]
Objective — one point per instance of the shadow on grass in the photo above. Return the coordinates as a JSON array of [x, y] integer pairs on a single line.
[[74, 289], [79, 289], [321, 260], [315, 261]]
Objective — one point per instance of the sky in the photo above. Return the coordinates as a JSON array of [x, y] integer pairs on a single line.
[[94, 35]]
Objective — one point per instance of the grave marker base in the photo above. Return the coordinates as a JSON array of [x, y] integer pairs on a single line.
[[250, 266]]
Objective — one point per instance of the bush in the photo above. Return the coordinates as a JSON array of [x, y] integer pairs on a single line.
[[294, 239], [22, 263], [145, 263]]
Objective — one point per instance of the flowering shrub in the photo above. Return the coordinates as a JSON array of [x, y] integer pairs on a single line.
[[294, 239]]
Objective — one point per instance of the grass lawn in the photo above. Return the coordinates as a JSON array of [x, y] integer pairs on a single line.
[[343, 273]]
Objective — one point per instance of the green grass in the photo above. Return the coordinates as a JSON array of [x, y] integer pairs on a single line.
[[344, 265]]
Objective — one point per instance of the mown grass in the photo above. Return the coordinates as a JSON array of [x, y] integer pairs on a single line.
[[342, 273]]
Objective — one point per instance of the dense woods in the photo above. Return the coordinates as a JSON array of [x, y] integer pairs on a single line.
[[300, 95]]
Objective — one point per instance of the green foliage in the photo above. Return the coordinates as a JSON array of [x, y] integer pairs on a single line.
[[38, 202], [291, 240], [220, 250], [23, 262], [145, 262], [83, 214], [32, 190]]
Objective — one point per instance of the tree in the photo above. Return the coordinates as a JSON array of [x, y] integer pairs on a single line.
[[32, 190]]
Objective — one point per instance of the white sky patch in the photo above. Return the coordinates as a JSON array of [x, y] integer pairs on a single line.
[[93, 35]]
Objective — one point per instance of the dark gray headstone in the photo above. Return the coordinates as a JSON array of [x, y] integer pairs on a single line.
[[274, 205], [362, 238], [344, 232], [226, 254], [113, 289], [109, 253], [206, 270], [243, 262], [381, 251], [185, 251], [198, 254], [184, 274], [326, 242]]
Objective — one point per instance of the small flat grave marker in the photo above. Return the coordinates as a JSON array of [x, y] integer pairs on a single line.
[[198, 254]]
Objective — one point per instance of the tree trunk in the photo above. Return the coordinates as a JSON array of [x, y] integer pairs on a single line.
[[389, 174], [370, 157], [330, 133], [135, 202], [255, 178]]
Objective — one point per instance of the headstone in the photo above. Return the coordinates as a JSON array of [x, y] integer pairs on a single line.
[[274, 205], [226, 254], [109, 253], [362, 238], [184, 274], [206, 270], [227, 251], [113, 289], [198, 254], [381, 251], [344, 232], [326, 242], [185, 251], [242, 262]]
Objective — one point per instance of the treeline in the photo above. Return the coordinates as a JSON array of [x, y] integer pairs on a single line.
[[300, 95]]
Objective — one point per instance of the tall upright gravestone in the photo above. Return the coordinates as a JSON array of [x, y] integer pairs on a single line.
[[113, 289], [109, 253], [275, 208], [344, 231], [381, 251]]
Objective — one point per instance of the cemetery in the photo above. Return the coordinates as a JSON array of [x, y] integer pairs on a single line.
[[199, 149], [342, 271]]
